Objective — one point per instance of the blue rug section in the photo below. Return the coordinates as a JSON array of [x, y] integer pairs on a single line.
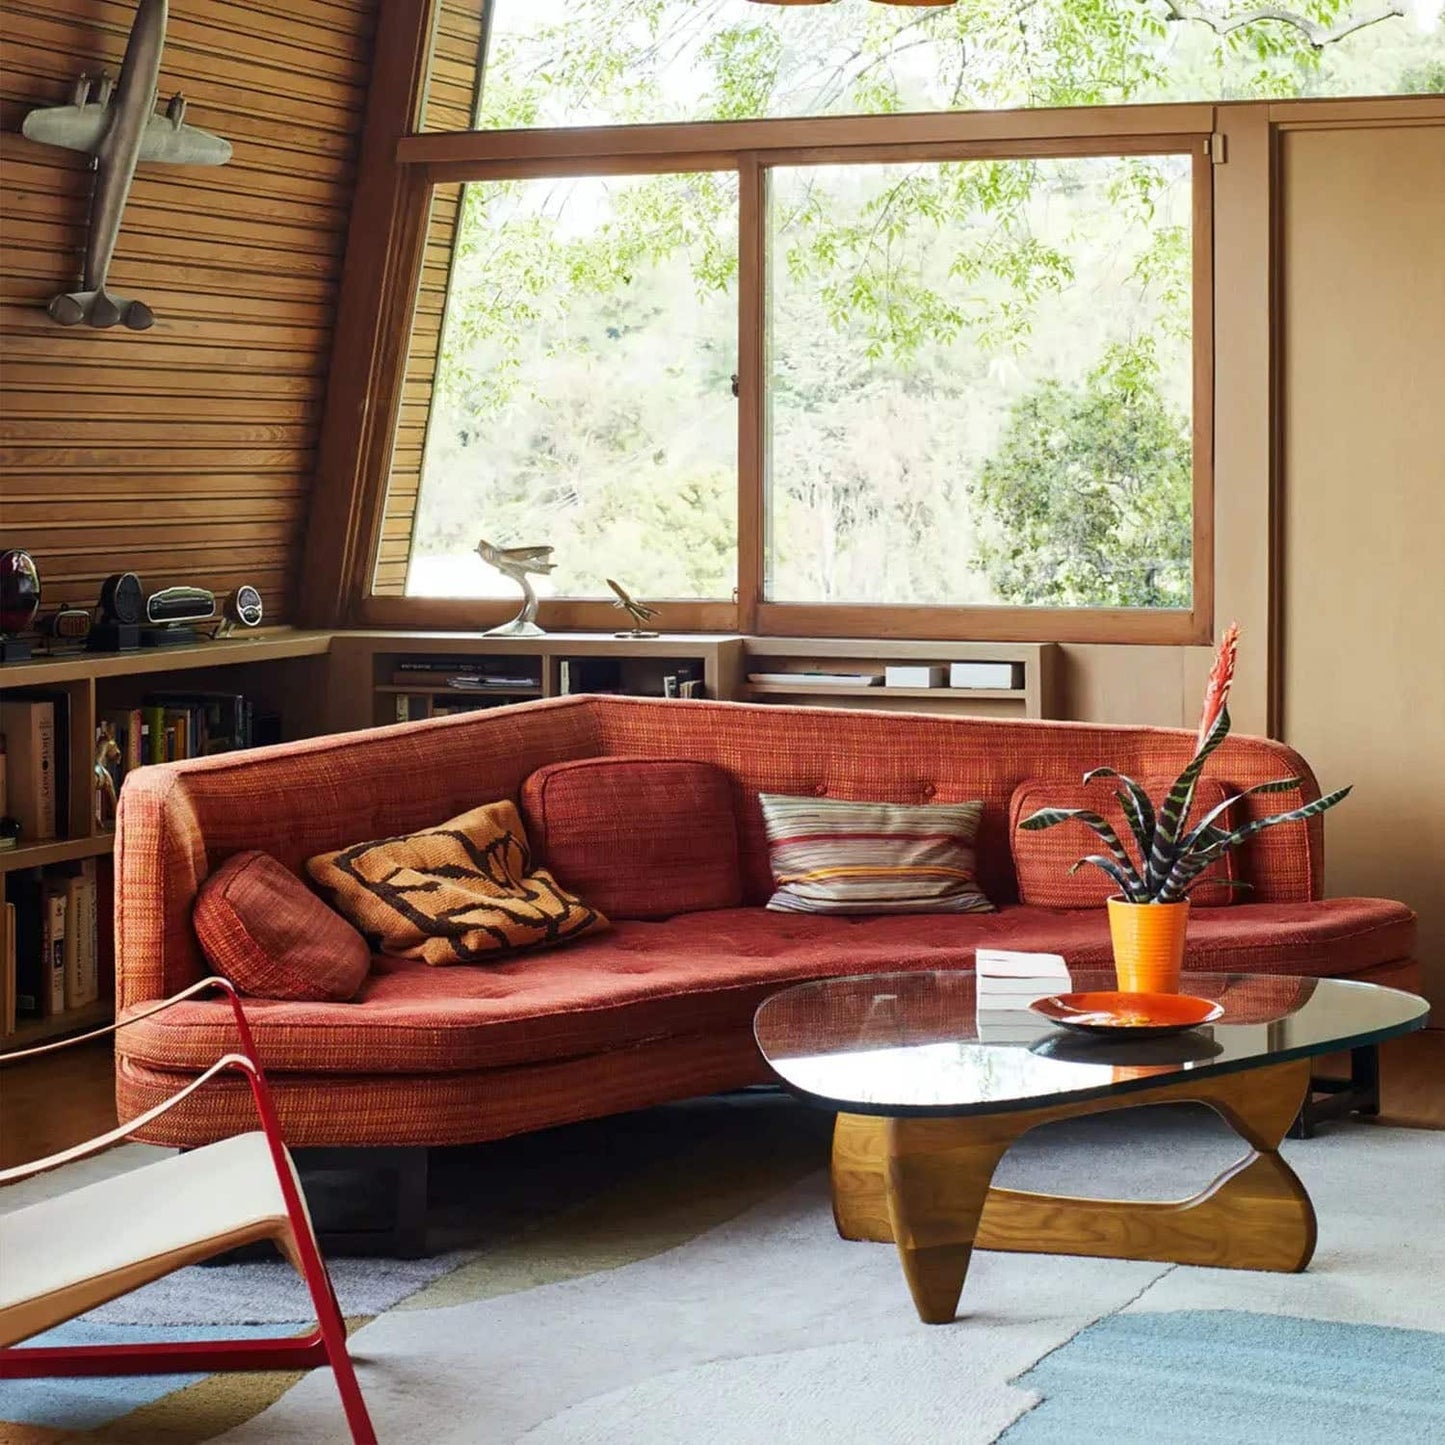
[[1203, 1377], [87, 1404]]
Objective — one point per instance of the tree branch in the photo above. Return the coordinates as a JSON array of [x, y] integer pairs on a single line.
[[1317, 35]]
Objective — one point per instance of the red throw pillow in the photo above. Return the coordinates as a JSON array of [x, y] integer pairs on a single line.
[[1042, 860], [265, 930], [637, 837]]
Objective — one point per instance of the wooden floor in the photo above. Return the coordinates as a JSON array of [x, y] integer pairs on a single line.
[[53, 1103]]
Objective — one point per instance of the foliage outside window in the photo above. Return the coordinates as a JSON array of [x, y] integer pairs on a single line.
[[554, 63], [979, 372]]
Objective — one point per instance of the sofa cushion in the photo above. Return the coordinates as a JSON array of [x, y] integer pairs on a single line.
[[464, 891], [1042, 859], [704, 972], [637, 837], [833, 856], [263, 929]]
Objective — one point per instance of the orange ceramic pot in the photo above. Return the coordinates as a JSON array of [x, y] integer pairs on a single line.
[[1148, 944]]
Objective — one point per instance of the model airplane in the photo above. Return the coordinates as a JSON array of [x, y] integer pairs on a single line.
[[639, 612], [517, 563], [116, 123]]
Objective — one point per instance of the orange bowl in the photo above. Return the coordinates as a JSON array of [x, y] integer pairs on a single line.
[[1135, 1015]]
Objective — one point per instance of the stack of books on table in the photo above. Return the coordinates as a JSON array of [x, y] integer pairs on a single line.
[[1006, 983]]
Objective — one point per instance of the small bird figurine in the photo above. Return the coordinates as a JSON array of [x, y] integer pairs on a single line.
[[517, 563], [639, 612]]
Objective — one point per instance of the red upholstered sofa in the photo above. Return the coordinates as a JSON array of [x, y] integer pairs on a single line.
[[651, 1010]]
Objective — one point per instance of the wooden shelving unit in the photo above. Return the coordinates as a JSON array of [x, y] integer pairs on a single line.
[[364, 665], [285, 668], [338, 681], [1037, 663]]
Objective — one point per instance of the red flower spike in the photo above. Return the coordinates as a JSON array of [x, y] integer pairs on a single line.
[[1221, 675]]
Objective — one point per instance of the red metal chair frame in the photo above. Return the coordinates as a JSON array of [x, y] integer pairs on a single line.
[[326, 1345]]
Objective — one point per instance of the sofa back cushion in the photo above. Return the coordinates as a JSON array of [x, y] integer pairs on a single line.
[[1042, 859], [637, 837], [261, 927], [832, 856]]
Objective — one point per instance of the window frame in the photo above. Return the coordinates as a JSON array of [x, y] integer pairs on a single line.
[[424, 161]]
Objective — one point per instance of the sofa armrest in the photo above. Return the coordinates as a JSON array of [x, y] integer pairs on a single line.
[[160, 864]]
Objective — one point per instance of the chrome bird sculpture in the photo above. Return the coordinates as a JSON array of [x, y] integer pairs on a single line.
[[116, 124], [520, 564], [639, 612]]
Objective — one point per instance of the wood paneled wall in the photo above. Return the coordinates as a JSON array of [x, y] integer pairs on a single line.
[[185, 453], [451, 103]]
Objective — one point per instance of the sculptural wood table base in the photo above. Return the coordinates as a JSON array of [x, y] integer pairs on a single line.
[[924, 1182]]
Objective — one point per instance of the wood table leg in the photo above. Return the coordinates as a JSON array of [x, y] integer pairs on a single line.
[[925, 1183], [938, 1177]]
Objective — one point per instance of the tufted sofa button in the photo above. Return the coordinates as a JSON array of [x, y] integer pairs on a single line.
[[819, 789], [929, 790]]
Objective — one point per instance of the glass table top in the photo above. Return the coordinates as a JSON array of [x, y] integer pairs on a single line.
[[919, 1043]]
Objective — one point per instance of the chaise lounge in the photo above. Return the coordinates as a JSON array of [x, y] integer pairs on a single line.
[[656, 1008]]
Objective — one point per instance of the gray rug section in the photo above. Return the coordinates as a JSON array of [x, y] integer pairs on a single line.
[[769, 1328], [485, 1196]]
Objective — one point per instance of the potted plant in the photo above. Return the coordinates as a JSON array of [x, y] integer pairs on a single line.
[[1149, 916]]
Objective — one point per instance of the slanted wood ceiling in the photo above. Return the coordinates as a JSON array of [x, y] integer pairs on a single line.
[[184, 453]]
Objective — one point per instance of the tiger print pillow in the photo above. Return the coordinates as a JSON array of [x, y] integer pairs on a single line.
[[462, 892]]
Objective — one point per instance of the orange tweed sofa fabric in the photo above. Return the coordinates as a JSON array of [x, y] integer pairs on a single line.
[[653, 1010]]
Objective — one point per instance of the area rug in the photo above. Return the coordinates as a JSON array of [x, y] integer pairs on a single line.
[[674, 1276]]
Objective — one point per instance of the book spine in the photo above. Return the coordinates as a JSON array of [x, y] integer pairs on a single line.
[[53, 949], [8, 981], [45, 779], [155, 718], [74, 923], [134, 739], [29, 728], [89, 934]]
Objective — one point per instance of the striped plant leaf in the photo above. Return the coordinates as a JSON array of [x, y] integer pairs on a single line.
[[1048, 817], [1215, 883], [1129, 884], [1206, 824], [1138, 809], [1163, 854], [1295, 815]]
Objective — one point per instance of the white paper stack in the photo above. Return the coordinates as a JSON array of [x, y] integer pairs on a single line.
[[1006, 983]]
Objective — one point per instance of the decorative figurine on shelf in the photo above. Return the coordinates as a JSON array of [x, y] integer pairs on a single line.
[[19, 602], [517, 563], [639, 612], [107, 758]]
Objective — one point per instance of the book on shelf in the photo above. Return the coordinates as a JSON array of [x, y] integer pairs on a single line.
[[197, 724], [914, 675], [494, 683], [993, 675], [52, 946], [823, 679], [51, 941], [33, 774], [25, 893], [82, 937], [7, 968]]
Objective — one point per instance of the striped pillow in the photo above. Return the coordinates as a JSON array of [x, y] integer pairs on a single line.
[[831, 856]]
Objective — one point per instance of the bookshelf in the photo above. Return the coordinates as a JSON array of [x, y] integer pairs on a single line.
[[312, 682], [283, 670], [368, 678], [795, 664]]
